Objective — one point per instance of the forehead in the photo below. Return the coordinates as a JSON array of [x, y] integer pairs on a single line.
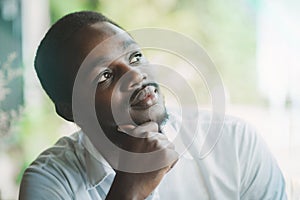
[[101, 40], [104, 34]]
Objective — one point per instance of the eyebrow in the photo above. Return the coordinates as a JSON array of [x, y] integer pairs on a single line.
[[96, 62], [128, 43], [104, 59]]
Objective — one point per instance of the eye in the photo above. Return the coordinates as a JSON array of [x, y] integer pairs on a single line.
[[135, 58], [104, 76]]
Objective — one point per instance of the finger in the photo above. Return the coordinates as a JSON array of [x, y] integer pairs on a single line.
[[172, 165], [139, 131], [126, 128], [166, 144], [146, 127]]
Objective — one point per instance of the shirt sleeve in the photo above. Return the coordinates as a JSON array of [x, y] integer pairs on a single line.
[[38, 184], [260, 175]]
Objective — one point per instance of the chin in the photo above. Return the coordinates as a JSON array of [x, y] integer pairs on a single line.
[[156, 113]]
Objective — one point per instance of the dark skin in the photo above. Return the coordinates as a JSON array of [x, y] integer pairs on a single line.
[[119, 57]]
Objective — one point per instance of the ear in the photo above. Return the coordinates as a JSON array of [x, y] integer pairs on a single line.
[[65, 111]]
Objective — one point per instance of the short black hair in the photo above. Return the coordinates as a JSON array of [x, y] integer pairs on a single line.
[[49, 56]]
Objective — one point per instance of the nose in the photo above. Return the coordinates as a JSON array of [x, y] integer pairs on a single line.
[[136, 78], [133, 77]]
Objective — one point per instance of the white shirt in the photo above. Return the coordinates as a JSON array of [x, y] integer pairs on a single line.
[[239, 167]]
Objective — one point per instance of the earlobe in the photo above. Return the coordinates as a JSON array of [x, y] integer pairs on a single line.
[[65, 111]]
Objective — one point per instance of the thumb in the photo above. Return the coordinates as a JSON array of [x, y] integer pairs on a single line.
[[139, 131], [126, 128]]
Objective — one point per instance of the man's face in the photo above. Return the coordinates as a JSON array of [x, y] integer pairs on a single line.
[[125, 86]]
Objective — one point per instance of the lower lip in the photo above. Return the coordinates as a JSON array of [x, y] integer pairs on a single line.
[[149, 101]]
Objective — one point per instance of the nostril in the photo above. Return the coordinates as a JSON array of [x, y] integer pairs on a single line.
[[137, 79], [155, 91], [144, 76]]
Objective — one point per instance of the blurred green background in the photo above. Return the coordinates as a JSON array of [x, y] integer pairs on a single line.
[[230, 31]]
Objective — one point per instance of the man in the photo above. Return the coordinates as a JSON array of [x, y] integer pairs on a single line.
[[78, 167]]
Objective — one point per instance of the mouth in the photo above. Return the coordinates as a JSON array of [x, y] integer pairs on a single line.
[[145, 97]]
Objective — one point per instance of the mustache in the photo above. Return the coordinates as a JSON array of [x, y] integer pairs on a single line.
[[143, 87]]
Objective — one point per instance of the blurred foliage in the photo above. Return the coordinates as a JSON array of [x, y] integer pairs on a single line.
[[59, 8], [226, 29], [40, 127], [8, 74], [10, 141]]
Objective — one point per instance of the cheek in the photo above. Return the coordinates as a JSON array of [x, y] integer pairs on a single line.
[[120, 108], [110, 106], [103, 103], [119, 104]]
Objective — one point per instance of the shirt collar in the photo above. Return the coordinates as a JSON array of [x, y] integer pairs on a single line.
[[97, 168], [172, 130]]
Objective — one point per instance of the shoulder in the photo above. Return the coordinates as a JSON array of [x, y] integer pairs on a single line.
[[230, 127], [64, 153], [260, 175], [56, 170], [241, 138], [243, 156]]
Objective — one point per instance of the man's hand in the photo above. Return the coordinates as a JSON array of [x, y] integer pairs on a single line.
[[142, 139]]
